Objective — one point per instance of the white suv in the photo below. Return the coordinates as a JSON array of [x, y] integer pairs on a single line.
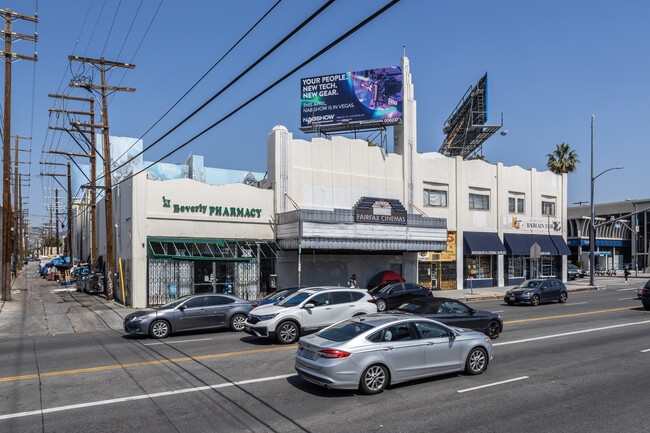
[[308, 310]]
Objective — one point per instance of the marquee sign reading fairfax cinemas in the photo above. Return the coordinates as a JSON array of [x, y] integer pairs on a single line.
[[225, 211], [379, 210]]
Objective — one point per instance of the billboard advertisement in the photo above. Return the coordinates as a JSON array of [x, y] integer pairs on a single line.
[[370, 96]]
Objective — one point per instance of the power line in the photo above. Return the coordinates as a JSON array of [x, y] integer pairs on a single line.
[[94, 28], [111, 29], [278, 81], [232, 82], [199, 80]]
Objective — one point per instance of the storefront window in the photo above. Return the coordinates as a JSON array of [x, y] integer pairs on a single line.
[[516, 266], [549, 268], [479, 267]]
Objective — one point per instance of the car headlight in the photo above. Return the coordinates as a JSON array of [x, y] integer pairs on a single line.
[[267, 317], [526, 294], [138, 318]]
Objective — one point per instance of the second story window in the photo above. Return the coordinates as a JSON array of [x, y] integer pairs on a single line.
[[548, 208], [435, 197], [479, 201], [516, 203]]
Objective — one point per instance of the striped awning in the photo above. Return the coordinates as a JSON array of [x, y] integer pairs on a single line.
[[211, 249]]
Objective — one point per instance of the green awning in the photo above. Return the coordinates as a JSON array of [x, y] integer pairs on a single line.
[[211, 249]]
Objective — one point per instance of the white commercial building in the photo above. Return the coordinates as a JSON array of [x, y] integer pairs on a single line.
[[330, 208]]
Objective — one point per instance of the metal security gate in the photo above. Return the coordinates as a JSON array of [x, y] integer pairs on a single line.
[[247, 282], [169, 280]]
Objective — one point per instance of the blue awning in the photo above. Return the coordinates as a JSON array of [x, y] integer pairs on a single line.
[[519, 244], [479, 243], [560, 244]]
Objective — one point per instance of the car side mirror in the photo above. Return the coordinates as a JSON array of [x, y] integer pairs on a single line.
[[309, 306], [182, 308], [452, 336]]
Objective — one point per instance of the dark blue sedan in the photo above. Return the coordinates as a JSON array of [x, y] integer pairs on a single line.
[[535, 292]]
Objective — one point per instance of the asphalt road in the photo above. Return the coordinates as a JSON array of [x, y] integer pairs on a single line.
[[579, 366]]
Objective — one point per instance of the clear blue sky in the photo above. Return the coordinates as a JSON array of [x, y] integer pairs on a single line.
[[551, 65]]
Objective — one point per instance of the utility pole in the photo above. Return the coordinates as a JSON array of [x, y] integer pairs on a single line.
[[56, 220], [93, 165], [101, 64], [18, 260], [70, 243], [9, 56]]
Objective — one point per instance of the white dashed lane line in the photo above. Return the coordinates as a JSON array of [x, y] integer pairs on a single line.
[[492, 384], [644, 351], [576, 303]]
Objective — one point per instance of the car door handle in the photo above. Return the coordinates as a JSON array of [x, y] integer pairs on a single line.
[[201, 309], [328, 308], [232, 306], [387, 348]]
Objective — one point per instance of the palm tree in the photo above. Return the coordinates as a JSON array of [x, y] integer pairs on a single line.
[[562, 160]]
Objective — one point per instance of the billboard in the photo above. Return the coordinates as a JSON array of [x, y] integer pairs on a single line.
[[370, 96]]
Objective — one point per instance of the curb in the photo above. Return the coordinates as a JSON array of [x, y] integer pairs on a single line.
[[500, 296]]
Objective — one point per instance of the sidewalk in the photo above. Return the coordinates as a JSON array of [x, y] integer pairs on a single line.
[[40, 307]]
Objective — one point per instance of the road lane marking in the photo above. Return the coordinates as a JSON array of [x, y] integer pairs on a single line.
[[499, 311], [140, 397], [144, 363], [576, 303], [492, 384], [569, 315], [564, 334], [644, 351], [178, 341], [627, 290], [627, 299]]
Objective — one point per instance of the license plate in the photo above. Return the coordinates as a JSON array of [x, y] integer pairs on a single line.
[[512, 298], [305, 353]]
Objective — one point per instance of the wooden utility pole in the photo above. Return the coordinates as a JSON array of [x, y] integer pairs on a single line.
[[18, 260], [21, 242], [56, 220], [70, 225], [93, 166], [9, 56], [101, 64]]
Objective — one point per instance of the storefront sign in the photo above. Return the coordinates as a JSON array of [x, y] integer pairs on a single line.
[[449, 255], [225, 211], [379, 210], [530, 223]]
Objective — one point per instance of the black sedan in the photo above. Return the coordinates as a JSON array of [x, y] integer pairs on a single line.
[[391, 295], [454, 313], [190, 313], [645, 296], [534, 292]]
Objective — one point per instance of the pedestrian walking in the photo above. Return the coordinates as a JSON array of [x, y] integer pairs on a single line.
[[626, 272], [352, 282]]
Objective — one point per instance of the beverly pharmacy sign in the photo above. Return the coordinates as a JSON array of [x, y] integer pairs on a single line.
[[217, 211]]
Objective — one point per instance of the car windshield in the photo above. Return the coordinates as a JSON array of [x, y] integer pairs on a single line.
[[411, 308], [572, 266], [275, 295], [530, 284], [379, 289], [294, 299], [344, 331], [175, 303]]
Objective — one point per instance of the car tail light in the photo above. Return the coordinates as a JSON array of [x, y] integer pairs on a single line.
[[333, 354], [256, 305], [372, 300]]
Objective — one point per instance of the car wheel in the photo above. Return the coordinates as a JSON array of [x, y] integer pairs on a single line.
[[646, 306], [237, 322], [476, 361], [381, 305], [493, 329], [287, 333], [160, 329], [535, 300], [374, 379], [563, 297]]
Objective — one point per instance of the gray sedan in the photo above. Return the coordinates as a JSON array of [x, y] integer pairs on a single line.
[[190, 313], [372, 351]]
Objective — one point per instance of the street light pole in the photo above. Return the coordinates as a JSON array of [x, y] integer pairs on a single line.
[[592, 230]]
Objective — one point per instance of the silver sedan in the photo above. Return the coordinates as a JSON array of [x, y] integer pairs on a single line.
[[372, 351]]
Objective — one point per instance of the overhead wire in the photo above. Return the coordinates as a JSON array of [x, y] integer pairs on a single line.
[[235, 80], [271, 86], [112, 25], [201, 79]]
